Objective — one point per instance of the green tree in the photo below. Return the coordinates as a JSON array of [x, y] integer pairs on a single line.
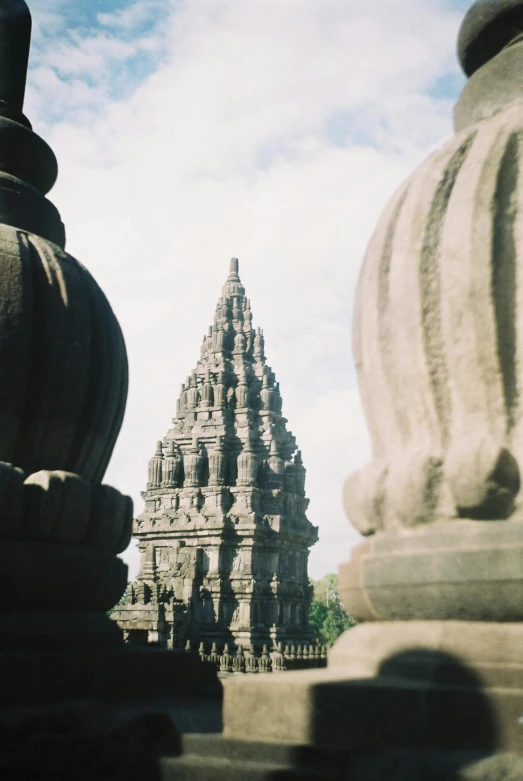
[[327, 616]]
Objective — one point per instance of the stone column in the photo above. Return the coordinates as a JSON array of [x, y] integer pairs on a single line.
[[438, 343]]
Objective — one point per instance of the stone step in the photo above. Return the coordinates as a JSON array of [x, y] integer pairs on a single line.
[[192, 768], [214, 758], [215, 745]]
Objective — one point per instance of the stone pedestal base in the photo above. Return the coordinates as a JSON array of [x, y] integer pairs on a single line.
[[429, 686], [453, 571]]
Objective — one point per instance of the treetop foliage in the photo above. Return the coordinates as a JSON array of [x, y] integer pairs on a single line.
[[327, 616]]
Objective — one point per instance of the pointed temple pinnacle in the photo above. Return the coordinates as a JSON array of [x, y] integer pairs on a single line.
[[233, 285], [234, 269], [15, 40]]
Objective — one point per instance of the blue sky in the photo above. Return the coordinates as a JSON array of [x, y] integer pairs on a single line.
[[274, 130]]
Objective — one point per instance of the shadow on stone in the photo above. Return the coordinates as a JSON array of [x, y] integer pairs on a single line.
[[84, 741], [424, 717]]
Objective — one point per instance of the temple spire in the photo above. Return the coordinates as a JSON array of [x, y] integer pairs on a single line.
[[233, 286], [232, 470]]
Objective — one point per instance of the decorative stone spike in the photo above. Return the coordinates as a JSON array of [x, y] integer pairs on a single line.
[[247, 465], [217, 464], [219, 338], [276, 467], [172, 467], [207, 393], [239, 661], [239, 344], [220, 391], [193, 463], [214, 656], [259, 345], [300, 472], [277, 399], [251, 662], [290, 477], [266, 393], [242, 391], [156, 467], [265, 663], [226, 660], [192, 396]]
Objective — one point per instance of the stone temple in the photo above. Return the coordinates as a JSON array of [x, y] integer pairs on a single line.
[[224, 537]]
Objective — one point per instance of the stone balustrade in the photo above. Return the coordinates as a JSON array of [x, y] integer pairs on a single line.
[[228, 661]]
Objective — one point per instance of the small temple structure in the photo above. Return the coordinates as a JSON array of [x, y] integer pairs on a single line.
[[224, 537]]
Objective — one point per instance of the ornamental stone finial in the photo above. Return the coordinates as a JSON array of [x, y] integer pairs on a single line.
[[488, 27], [234, 268], [28, 167], [233, 285], [15, 39], [490, 49]]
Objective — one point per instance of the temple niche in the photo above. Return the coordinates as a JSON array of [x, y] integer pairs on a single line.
[[224, 537]]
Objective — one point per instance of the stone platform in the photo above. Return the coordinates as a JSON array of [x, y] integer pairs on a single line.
[[440, 686]]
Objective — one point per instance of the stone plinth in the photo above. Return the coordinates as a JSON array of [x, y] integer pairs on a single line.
[[461, 570], [432, 686]]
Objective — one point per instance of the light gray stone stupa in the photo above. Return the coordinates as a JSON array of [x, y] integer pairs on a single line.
[[430, 684], [224, 537]]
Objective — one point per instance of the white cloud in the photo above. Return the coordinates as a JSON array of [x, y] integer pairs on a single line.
[[133, 16], [228, 148]]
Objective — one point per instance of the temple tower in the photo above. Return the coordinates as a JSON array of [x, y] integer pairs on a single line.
[[224, 537]]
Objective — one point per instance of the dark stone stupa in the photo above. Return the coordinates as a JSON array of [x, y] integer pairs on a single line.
[[63, 390]]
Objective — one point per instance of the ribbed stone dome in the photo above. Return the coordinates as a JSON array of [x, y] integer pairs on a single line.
[[64, 384], [438, 337]]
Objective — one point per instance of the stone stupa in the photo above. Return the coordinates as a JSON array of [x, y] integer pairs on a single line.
[[224, 537]]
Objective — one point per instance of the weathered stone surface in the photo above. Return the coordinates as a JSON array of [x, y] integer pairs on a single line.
[[439, 377], [43, 577], [487, 29], [84, 740], [66, 358], [437, 341], [63, 386], [224, 536], [448, 686], [456, 571], [436, 766], [57, 507], [15, 35]]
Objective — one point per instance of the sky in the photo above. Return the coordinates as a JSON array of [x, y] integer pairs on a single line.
[[192, 131]]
